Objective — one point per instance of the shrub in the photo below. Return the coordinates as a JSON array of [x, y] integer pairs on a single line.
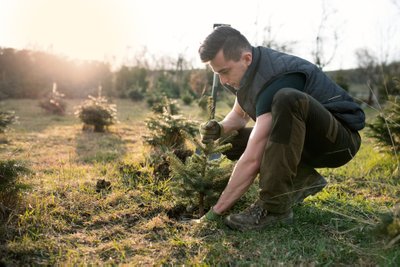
[[97, 112], [203, 102], [386, 126], [200, 178], [166, 126], [152, 99], [54, 102], [9, 187], [136, 95], [6, 118], [389, 225], [341, 81], [160, 102], [187, 99], [9, 171], [167, 85], [166, 105]]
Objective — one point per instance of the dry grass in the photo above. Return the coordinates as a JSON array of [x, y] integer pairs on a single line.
[[62, 219]]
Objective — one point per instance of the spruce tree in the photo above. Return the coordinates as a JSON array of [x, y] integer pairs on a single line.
[[203, 176], [97, 112], [166, 126], [54, 102], [6, 118], [385, 128]]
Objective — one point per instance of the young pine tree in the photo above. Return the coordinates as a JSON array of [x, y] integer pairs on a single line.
[[97, 112], [202, 177], [166, 126], [6, 118], [10, 187], [54, 102], [386, 126]]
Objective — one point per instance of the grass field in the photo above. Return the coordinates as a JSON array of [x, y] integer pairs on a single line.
[[61, 218]]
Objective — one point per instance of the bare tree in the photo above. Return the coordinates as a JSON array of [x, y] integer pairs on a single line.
[[270, 40], [269, 37], [321, 58], [141, 58], [369, 66]]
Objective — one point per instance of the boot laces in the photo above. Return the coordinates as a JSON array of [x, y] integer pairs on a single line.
[[256, 211]]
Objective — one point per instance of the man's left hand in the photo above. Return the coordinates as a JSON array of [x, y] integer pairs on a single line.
[[211, 216]]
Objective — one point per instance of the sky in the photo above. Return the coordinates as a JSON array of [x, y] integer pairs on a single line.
[[120, 31]]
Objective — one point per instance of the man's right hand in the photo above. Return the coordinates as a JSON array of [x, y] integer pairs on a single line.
[[211, 130]]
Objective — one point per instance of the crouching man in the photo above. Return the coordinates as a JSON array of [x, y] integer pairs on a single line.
[[303, 120]]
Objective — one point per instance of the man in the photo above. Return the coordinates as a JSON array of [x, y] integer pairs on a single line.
[[303, 120]]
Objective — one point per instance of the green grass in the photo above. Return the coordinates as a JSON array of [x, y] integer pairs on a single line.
[[62, 219]]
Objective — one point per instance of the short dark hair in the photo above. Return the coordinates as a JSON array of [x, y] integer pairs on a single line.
[[232, 42]]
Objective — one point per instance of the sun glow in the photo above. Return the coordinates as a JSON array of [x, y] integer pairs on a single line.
[[81, 29], [121, 31]]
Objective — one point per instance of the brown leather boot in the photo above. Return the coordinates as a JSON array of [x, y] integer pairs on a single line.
[[256, 217]]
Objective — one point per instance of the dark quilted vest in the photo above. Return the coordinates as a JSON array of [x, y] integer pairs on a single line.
[[268, 65]]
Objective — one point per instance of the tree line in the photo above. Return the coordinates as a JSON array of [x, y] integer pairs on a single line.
[[32, 74]]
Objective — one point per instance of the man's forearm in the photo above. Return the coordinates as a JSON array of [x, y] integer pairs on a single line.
[[248, 165], [241, 179], [236, 119], [233, 121]]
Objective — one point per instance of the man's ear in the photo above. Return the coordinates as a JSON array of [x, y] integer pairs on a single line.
[[247, 57]]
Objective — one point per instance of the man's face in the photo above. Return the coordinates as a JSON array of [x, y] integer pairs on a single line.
[[230, 72]]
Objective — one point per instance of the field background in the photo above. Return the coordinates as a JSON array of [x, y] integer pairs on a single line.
[[61, 219]]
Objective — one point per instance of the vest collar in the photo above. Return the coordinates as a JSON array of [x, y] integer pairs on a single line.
[[251, 71]]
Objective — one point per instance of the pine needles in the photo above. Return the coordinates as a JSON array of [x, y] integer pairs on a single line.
[[203, 176]]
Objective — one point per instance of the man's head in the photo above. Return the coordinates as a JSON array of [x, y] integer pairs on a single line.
[[229, 54]]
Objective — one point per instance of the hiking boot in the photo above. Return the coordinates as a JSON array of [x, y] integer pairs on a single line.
[[256, 217], [311, 190]]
